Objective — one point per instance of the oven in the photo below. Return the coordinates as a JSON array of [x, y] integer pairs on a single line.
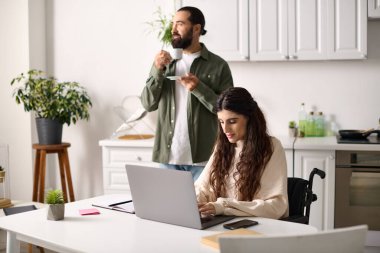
[[357, 191]]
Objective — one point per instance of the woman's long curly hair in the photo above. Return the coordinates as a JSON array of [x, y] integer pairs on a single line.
[[255, 154]]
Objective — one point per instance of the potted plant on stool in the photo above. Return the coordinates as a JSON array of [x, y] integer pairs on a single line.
[[54, 103], [56, 203]]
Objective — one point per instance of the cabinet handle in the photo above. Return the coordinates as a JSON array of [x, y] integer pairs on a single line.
[[286, 57], [139, 159]]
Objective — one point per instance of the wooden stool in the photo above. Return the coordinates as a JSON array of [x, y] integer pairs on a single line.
[[40, 170]]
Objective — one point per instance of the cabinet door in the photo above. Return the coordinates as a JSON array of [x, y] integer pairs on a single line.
[[268, 30], [322, 210], [374, 8], [115, 158], [347, 23], [226, 25], [307, 29]]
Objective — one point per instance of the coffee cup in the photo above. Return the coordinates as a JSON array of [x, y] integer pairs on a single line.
[[176, 53]]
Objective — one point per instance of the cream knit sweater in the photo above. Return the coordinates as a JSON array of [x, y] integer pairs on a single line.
[[272, 199]]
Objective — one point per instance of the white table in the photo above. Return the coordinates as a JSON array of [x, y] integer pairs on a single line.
[[114, 231]]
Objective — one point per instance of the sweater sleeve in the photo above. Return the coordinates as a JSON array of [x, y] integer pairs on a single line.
[[272, 198], [202, 186]]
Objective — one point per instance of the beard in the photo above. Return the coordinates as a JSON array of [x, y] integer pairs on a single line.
[[184, 41]]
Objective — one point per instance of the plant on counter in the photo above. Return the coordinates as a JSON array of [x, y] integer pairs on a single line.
[[56, 203], [292, 128]]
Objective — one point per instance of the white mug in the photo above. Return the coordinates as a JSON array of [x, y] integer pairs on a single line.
[[176, 53]]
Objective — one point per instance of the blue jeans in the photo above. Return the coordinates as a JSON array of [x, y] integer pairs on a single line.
[[194, 169]]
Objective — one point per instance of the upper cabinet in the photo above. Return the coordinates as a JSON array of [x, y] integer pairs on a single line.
[[285, 30], [347, 29], [373, 8], [226, 25]]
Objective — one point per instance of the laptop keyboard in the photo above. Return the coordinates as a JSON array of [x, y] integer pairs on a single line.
[[207, 218]]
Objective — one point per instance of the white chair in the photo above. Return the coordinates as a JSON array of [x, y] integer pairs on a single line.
[[341, 240]]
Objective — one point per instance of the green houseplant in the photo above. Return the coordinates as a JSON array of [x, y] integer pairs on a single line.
[[162, 25], [54, 103], [56, 210]]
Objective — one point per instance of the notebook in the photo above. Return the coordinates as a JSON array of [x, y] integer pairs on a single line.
[[118, 202], [19, 209], [167, 196]]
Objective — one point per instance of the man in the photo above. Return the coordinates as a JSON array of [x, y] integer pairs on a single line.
[[187, 123]]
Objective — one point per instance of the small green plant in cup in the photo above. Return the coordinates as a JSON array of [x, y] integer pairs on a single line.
[[56, 203], [54, 197]]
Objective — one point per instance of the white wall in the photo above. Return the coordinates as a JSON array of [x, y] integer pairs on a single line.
[[15, 126], [104, 45]]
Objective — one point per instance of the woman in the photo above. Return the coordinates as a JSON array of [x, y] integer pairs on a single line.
[[246, 174]]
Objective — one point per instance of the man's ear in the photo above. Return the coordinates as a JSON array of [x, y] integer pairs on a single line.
[[197, 29]]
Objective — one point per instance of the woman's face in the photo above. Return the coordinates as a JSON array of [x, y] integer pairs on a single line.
[[234, 125]]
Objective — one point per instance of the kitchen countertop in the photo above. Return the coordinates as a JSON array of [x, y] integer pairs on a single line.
[[330, 143], [306, 143]]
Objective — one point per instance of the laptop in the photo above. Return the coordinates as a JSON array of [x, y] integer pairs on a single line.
[[167, 196]]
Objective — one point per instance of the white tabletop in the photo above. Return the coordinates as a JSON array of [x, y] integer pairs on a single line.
[[114, 231]]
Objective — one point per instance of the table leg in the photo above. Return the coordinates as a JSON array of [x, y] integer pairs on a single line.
[[13, 245], [36, 175], [68, 174], [62, 173], [42, 176]]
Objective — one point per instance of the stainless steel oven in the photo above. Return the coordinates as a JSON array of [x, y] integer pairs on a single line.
[[357, 191]]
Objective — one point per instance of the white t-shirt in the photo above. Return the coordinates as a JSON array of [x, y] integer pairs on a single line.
[[180, 152]]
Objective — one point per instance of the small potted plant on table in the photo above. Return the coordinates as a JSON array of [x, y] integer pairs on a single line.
[[56, 203]]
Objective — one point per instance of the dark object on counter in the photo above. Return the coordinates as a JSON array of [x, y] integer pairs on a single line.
[[356, 134], [369, 140]]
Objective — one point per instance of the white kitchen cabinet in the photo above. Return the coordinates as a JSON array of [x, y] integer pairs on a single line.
[[116, 154], [373, 9], [226, 25], [284, 30], [347, 34], [322, 211]]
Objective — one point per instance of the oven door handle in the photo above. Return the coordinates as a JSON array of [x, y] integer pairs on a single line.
[[371, 173]]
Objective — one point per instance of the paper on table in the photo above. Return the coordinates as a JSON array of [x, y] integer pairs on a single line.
[[213, 240], [116, 202], [89, 211]]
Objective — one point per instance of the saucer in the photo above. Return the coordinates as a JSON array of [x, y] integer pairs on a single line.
[[173, 78]]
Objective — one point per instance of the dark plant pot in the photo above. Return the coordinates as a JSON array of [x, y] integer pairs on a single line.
[[56, 212], [49, 131]]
